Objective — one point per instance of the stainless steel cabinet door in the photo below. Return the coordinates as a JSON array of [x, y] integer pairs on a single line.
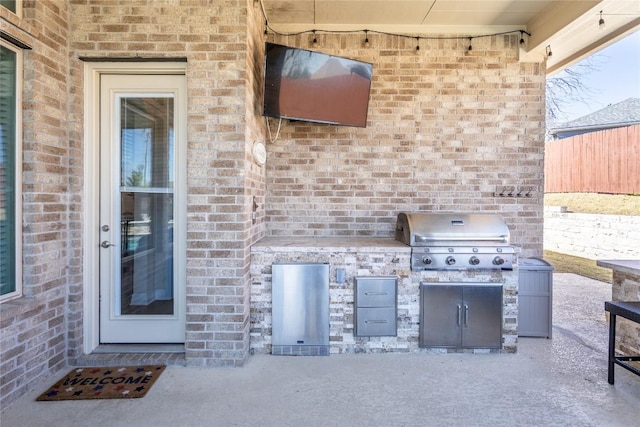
[[482, 316], [440, 315], [461, 315]]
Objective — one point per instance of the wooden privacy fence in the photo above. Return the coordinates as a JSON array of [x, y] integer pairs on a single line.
[[606, 161]]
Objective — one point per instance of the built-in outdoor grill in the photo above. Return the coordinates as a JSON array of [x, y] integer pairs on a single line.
[[455, 241], [459, 312]]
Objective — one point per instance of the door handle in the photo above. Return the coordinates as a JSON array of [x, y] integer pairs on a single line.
[[466, 316], [459, 315], [105, 244]]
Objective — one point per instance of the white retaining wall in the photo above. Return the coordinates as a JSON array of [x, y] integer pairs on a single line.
[[591, 236]]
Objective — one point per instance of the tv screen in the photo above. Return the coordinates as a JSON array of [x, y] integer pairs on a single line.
[[311, 86]]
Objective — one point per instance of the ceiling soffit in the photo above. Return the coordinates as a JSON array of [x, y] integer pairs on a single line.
[[569, 27]]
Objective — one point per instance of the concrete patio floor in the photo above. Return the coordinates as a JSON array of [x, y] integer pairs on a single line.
[[549, 382]]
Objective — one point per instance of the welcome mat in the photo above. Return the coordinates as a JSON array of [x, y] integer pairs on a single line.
[[119, 382]]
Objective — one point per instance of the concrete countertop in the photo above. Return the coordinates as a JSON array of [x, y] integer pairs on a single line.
[[628, 266], [334, 244]]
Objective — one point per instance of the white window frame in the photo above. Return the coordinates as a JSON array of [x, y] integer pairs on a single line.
[[17, 293], [18, 11]]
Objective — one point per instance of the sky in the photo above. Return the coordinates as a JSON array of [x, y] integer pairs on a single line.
[[616, 77]]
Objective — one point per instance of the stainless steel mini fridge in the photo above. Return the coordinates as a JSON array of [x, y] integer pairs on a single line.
[[300, 309]]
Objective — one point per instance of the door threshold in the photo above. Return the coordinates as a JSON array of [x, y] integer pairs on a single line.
[[138, 348]]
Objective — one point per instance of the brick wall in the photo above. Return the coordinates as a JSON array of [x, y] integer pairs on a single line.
[[223, 45], [255, 181], [33, 328], [217, 40], [446, 128]]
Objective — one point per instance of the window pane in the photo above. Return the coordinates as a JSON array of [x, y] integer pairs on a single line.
[[9, 4], [146, 200], [8, 63]]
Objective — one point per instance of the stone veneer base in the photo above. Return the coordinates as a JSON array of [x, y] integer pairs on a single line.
[[625, 287], [366, 257]]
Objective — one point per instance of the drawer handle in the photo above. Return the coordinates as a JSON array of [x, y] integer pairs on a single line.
[[375, 293], [376, 321]]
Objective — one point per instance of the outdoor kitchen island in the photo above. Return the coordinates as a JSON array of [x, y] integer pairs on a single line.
[[360, 257], [625, 289]]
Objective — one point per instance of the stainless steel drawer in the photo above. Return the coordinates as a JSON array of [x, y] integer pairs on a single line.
[[375, 292], [376, 322], [376, 306]]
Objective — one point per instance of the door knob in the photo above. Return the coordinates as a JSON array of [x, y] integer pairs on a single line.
[[105, 244]]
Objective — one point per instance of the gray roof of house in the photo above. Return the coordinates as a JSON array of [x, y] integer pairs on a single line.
[[623, 113]]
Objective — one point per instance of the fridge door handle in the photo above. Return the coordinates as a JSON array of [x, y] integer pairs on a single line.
[[459, 315]]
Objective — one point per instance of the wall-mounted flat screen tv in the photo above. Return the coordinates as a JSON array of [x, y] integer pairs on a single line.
[[311, 86]]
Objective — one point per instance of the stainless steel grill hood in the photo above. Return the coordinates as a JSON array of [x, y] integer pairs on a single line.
[[455, 240], [427, 229]]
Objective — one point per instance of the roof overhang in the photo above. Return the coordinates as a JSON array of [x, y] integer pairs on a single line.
[[592, 128]]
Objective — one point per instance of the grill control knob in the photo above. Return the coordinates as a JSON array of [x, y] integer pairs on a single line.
[[498, 260], [426, 260], [450, 260], [474, 260]]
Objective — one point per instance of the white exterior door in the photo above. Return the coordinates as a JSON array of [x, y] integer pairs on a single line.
[[142, 209]]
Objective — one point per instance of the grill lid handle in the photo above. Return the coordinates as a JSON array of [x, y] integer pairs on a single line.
[[419, 238]]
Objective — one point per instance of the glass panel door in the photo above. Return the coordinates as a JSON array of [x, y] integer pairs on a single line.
[[140, 301]]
